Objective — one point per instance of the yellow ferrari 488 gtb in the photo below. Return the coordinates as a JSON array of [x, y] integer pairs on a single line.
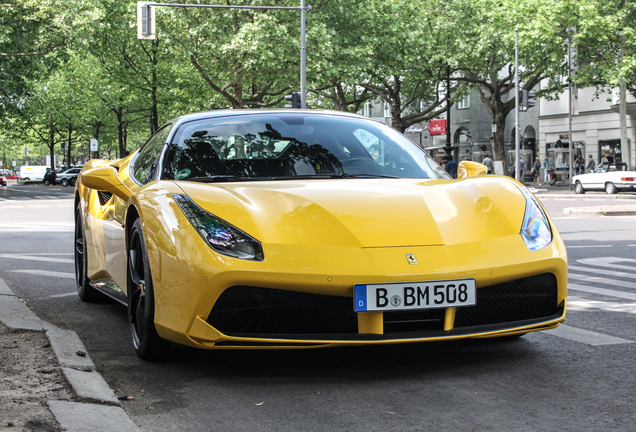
[[296, 228]]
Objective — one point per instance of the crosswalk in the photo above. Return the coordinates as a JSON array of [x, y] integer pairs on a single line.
[[33, 197], [605, 284]]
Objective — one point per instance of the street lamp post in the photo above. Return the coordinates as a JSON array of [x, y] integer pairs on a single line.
[[448, 148]]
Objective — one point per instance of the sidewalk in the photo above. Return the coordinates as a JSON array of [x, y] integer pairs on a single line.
[[49, 378], [562, 191]]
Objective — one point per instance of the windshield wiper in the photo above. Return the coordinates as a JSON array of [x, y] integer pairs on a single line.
[[217, 178], [346, 175], [332, 176]]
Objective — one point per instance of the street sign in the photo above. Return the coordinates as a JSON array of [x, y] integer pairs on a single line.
[[437, 127], [94, 146]]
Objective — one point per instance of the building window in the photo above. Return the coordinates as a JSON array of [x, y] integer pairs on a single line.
[[367, 109], [464, 102]]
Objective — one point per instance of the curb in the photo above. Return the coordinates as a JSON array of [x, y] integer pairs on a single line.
[[96, 407], [600, 211]]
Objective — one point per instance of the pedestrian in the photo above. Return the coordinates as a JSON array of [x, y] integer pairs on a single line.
[[579, 165], [451, 166], [535, 171], [488, 163], [546, 176], [605, 159], [610, 158], [522, 168], [590, 163]]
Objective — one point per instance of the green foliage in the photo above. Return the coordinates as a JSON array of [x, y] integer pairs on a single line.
[[76, 70]]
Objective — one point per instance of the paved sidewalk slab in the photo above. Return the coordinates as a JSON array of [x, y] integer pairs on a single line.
[[70, 350], [90, 387], [81, 417], [17, 316]]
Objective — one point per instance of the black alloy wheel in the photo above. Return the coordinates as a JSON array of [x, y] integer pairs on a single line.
[[85, 290], [141, 306], [578, 188], [46, 182]]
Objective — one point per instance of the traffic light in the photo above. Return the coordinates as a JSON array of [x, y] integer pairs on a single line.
[[145, 20], [295, 100], [526, 100]]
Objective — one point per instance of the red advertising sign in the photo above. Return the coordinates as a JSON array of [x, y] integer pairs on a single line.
[[437, 127]]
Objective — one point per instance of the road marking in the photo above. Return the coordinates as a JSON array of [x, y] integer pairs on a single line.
[[37, 258], [591, 246], [602, 280], [586, 337], [37, 227], [46, 273], [579, 304], [39, 206], [602, 291], [603, 272], [608, 262], [68, 294], [49, 253]]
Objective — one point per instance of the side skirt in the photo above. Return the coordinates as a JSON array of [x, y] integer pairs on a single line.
[[111, 289]]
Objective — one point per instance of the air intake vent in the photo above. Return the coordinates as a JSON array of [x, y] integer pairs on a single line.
[[104, 197]]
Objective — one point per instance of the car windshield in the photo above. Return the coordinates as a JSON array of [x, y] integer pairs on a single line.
[[279, 146]]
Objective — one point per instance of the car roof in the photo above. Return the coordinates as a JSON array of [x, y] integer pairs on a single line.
[[235, 112]]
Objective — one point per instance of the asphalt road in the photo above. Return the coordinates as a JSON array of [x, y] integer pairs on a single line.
[[580, 377]]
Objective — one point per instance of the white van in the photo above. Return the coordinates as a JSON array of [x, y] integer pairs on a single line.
[[32, 173]]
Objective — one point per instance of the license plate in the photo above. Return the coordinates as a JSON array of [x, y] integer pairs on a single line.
[[414, 295]]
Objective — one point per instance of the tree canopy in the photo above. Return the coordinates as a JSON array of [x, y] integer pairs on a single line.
[[72, 71]]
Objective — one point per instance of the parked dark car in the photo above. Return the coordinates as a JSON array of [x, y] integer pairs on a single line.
[[68, 177], [50, 177]]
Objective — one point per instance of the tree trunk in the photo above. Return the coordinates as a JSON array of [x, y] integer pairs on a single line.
[[68, 144], [52, 146]]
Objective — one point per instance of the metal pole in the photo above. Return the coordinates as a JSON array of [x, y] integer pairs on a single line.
[[303, 58], [571, 153], [448, 149], [517, 165]]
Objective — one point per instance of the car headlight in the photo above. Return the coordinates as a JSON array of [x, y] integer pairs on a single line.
[[535, 229], [220, 235]]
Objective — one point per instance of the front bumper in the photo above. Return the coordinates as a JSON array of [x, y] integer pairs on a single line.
[[293, 300]]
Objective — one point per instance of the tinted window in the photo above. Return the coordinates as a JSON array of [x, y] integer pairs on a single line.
[[288, 145], [148, 156]]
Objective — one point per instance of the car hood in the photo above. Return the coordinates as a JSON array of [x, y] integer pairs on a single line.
[[367, 212]]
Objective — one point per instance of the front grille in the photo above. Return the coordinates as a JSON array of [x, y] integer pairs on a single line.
[[518, 300], [245, 311], [248, 310]]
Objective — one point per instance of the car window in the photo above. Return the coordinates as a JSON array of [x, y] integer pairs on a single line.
[[288, 145], [148, 157]]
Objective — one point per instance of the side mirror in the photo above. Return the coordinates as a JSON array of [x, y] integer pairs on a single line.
[[105, 179], [470, 169]]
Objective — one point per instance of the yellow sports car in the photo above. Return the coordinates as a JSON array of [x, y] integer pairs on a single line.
[[297, 228]]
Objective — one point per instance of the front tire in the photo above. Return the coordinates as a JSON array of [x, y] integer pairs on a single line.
[[610, 188], [141, 305], [85, 290], [46, 182], [64, 182], [578, 188]]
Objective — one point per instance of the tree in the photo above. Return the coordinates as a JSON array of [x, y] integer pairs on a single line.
[[247, 58], [605, 40], [481, 35]]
